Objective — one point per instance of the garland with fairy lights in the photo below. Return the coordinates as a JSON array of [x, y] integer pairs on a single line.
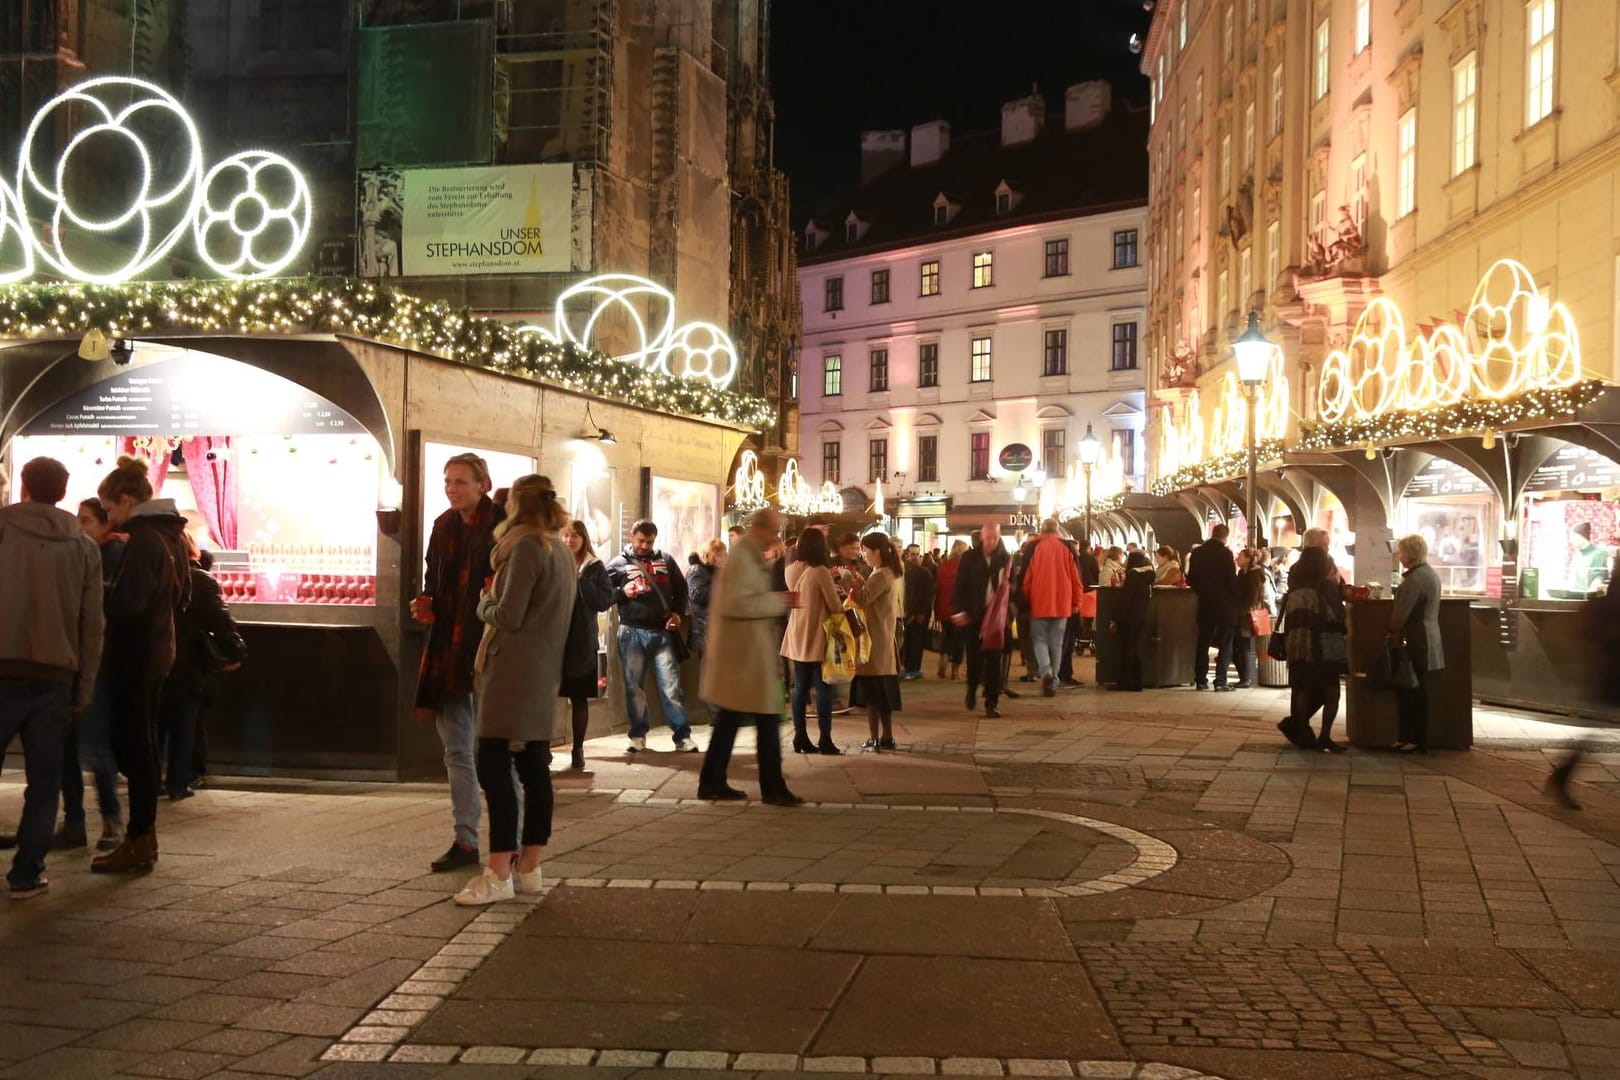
[[1469, 416], [1105, 505], [368, 310], [1217, 469]]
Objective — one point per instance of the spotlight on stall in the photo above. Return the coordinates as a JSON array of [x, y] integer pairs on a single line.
[[1136, 43]]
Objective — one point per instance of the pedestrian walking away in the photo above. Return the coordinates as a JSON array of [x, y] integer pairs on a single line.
[[741, 673], [980, 577], [526, 608], [457, 565], [1212, 574], [51, 630], [1051, 585], [650, 592]]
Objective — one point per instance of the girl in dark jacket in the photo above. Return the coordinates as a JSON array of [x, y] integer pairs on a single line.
[[579, 655], [154, 583], [206, 640], [1131, 618]]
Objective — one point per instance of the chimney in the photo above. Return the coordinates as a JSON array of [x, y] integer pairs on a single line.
[[929, 142], [880, 152], [1085, 105], [1023, 119]]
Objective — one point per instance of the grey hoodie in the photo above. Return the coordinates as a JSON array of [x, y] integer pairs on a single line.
[[50, 599]]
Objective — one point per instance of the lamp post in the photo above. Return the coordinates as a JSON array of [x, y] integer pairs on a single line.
[[1253, 354], [1088, 448]]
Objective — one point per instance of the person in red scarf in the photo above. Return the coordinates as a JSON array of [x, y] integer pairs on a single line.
[[458, 554]]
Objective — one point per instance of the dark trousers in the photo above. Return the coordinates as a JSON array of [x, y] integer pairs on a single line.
[[1213, 633], [983, 666], [179, 712], [134, 714], [89, 750], [1412, 706], [1243, 657], [950, 642], [39, 712], [1310, 689], [1071, 630], [723, 736], [1026, 642], [912, 650], [806, 680], [496, 761], [1130, 635]]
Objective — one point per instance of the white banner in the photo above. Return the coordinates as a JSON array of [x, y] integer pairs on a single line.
[[505, 219]]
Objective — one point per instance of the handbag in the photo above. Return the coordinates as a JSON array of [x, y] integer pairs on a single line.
[[1392, 669], [1277, 645], [993, 629], [1260, 621], [677, 640]]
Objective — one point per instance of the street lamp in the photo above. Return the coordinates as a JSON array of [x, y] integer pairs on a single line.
[[1253, 354], [1088, 448]]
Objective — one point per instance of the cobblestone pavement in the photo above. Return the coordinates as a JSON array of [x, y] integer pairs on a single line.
[[1146, 886]]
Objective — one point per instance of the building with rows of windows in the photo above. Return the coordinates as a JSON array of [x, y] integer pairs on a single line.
[[973, 295]]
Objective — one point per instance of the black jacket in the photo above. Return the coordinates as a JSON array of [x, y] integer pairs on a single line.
[[646, 611], [699, 581], [1135, 597], [973, 576], [919, 593], [594, 597], [153, 584], [1212, 574], [206, 620]]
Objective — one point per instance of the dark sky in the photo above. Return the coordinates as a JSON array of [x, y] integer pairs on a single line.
[[843, 66]]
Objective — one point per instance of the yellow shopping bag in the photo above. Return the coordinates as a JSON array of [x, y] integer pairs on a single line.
[[838, 664]]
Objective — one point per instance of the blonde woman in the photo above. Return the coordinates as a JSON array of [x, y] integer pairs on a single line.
[[526, 608]]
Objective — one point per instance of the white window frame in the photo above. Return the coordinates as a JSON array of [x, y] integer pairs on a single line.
[[1195, 214], [1228, 32], [1540, 59], [984, 269], [1363, 25], [1464, 114], [988, 372], [1225, 163], [1358, 190], [1198, 99], [1318, 218], [1273, 254], [1277, 100], [1321, 71], [1245, 278], [1248, 135], [1406, 163], [1181, 25]]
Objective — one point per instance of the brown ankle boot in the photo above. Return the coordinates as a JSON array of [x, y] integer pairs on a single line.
[[133, 853], [955, 670]]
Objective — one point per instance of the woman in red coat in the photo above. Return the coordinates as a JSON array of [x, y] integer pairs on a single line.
[[950, 647]]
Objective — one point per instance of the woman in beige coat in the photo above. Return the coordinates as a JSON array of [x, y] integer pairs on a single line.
[[805, 642], [877, 682], [526, 608], [742, 673]]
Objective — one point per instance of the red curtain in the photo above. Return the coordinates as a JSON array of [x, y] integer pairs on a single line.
[[156, 458], [213, 482]]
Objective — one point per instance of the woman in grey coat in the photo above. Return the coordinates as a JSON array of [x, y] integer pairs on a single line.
[[1415, 620], [526, 608]]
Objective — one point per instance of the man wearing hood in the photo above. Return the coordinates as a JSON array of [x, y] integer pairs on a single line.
[[50, 649], [650, 592]]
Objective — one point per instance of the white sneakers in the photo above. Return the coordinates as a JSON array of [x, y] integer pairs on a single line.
[[486, 888], [637, 744], [687, 746]]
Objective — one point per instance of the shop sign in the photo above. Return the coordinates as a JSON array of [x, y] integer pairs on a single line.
[[1016, 457], [1575, 468], [194, 395], [1510, 341], [504, 219], [1441, 477], [1022, 520], [247, 215]]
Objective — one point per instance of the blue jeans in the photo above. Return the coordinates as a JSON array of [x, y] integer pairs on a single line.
[[96, 751], [40, 712], [636, 647], [807, 674], [455, 724], [1049, 643]]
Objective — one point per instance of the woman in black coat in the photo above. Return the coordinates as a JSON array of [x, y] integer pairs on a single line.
[[1131, 619], [206, 641], [579, 681]]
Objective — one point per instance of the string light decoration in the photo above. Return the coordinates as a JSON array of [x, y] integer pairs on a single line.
[[1473, 415], [748, 486], [1109, 484], [697, 350], [367, 310], [831, 500], [1217, 469], [794, 494], [252, 216]]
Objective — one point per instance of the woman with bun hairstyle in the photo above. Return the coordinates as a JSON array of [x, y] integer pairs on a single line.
[[153, 583], [877, 682], [526, 608]]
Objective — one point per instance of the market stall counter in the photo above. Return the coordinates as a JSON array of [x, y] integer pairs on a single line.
[[1370, 716], [1172, 637], [1534, 655]]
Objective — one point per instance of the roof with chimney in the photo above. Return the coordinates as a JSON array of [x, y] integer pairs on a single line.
[[1091, 158]]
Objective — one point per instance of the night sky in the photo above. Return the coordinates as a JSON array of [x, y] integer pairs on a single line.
[[843, 66]]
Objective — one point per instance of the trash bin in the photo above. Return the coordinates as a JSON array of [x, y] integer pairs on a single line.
[[1272, 672]]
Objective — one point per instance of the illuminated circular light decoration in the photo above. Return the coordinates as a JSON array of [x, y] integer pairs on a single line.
[[697, 350], [748, 488], [793, 493], [263, 201], [249, 215]]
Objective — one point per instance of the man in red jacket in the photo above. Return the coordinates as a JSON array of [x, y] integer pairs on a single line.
[[1052, 584]]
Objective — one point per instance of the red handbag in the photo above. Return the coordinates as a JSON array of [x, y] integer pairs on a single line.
[[1260, 621]]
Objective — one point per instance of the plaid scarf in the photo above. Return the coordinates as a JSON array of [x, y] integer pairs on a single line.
[[458, 563]]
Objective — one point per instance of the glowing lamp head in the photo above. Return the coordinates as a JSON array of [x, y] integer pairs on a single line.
[[1253, 352], [1019, 492], [1488, 441], [1089, 447]]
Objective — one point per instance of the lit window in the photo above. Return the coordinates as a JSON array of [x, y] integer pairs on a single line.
[[831, 453], [877, 459], [1319, 215], [979, 455], [1125, 449], [878, 381], [1124, 347], [983, 270], [1464, 113], [928, 459], [1181, 124], [1195, 216], [928, 364], [835, 293], [1057, 258], [1125, 248], [1406, 187], [930, 278], [1319, 80], [1181, 26], [1363, 25], [1540, 16], [981, 359], [1273, 255], [1227, 32], [1276, 100], [1056, 353], [1223, 297], [880, 286], [1248, 135], [1198, 99], [1245, 282], [832, 375], [1358, 189], [1054, 451], [1225, 164]]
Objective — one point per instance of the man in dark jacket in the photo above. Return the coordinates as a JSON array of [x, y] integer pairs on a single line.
[[919, 585], [982, 570], [50, 649], [457, 564], [651, 594], [1212, 574]]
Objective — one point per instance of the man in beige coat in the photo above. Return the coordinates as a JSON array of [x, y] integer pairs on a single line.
[[742, 676]]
